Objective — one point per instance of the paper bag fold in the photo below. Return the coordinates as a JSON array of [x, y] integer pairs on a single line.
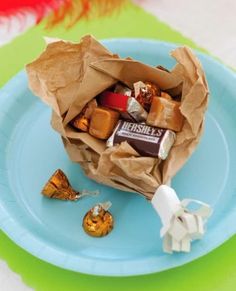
[[66, 76]]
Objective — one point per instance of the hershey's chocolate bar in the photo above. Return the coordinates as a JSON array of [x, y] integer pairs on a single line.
[[146, 140]]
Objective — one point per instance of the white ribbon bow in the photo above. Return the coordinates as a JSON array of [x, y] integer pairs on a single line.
[[180, 224]]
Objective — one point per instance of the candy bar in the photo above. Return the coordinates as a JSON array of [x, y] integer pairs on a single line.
[[129, 107], [166, 114], [103, 121], [146, 140]]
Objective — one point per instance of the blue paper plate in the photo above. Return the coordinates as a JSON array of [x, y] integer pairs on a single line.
[[51, 230]]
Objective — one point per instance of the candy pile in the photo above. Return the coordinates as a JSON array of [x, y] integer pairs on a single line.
[[144, 116]]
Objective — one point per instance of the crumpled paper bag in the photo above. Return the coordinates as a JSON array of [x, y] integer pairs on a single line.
[[68, 75]]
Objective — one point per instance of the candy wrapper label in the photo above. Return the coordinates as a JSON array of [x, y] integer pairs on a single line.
[[146, 140]]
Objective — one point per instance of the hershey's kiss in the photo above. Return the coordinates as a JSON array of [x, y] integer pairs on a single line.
[[98, 221]]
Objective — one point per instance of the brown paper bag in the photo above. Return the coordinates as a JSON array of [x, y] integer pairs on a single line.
[[67, 75]]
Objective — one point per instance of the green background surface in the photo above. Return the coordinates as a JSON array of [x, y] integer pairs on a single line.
[[215, 271]]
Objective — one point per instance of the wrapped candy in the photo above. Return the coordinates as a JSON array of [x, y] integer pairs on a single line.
[[146, 140], [144, 93], [58, 186], [82, 120], [129, 107], [98, 221]]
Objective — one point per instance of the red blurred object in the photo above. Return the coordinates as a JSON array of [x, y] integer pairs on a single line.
[[72, 10], [114, 100], [39, 7]]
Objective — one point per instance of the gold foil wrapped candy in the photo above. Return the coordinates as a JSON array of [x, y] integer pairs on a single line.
[[144, 93], [152, 89], [58, 186], [81, 122], [98, 221]]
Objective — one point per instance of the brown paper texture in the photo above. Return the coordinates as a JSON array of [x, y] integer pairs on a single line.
[[68, 75]]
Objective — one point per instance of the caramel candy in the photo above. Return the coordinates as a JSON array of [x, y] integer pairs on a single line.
[[165, 113], [103, 121], [58, 187], [98, 221], [166, 95]]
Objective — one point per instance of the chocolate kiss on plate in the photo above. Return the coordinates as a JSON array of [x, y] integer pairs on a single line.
[[58, 187]]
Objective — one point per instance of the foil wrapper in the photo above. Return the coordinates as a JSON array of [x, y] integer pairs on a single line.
[[134, 109], [129, 107], [98, 221], [146, 140], [121, 89], [59, 187], [144, 93], [82, 121]]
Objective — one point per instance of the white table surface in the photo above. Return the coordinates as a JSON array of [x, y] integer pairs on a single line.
[[211, 24]]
